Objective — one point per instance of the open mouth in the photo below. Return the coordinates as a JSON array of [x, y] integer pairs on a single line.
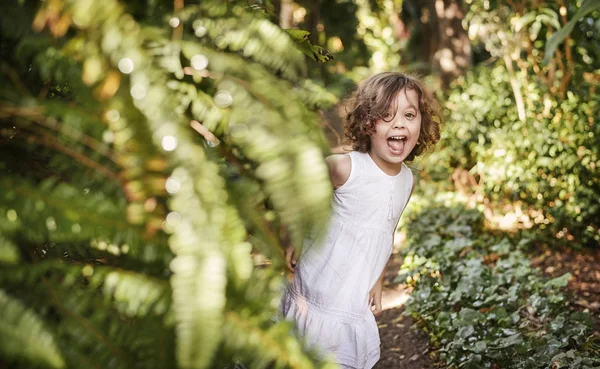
[[396, 144]]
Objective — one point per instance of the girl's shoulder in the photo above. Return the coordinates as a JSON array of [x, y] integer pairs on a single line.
[[340, 167]]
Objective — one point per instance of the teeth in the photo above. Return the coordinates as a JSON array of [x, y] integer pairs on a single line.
[[397, 138]]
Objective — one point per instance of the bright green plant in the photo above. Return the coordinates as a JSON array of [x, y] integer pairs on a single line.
[[547, 165], [526, 132], [126, 238], [483, 304]]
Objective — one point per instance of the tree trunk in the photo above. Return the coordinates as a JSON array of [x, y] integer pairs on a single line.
[[286, 14], [452, 56]]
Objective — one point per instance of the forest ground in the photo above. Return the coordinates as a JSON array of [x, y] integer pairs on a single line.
[[403, 346]]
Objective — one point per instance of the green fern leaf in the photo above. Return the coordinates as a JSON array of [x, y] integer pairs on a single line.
[[21, 328]]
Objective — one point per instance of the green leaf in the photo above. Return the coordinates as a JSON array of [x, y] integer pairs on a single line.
[[315, 52], [515, 339], [559, 282], [479, 347], [464, 332], [534, 30], [24, 335], [556, 39], [525, 20], [469, 316], [557, 323]]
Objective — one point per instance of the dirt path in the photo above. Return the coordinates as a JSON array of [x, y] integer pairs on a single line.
[[402, 345]]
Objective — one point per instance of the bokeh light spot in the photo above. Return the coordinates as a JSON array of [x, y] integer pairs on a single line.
[[126, 65], [51, 224], [11, 215], [87, 271], [223, 99], [169, 143], [108, 137], [113, 115], [172, 220], [199, 62], [174, 22], [138, 91], [173, 185], [200, 31], [102, 245]]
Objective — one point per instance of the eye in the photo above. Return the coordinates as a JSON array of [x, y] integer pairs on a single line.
[[387, 116], [410, 115]]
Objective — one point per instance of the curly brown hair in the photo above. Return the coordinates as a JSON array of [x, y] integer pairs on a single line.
[[374, 97]]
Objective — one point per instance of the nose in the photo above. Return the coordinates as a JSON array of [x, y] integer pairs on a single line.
[[398, 123]]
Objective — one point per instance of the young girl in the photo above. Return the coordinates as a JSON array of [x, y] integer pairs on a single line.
[[336, 289]]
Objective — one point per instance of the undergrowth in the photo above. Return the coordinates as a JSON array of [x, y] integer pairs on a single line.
[[483, 304]]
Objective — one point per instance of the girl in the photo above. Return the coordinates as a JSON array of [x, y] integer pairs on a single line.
[[335, 292]]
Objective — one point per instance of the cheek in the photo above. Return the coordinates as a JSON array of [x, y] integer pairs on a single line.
[[380, 131], [417, 129]]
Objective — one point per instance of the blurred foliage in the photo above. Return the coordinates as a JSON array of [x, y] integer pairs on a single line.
[[522, 137], [586, 8], [126, 238], [482, 303], [360, 34]]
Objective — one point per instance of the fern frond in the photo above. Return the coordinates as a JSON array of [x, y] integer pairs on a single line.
[[273, 347], [21, 328], [267, 114], [61, 212], [100, 310], [130, 293], [136, 294], [195, 241], [253, 37], [133, 91]]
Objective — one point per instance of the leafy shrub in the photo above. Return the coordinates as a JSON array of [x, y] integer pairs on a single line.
[[548, 164], [483, 304]]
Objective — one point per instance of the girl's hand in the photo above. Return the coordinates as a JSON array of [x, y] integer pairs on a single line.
[[375, 298], [290, 258]]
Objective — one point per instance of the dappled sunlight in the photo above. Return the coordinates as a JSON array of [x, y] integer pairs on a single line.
[[394, 297]]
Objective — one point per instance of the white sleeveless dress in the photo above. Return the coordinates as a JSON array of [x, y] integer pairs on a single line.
[[328, 295]]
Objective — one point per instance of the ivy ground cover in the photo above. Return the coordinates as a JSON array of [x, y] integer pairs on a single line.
[[483, 304]]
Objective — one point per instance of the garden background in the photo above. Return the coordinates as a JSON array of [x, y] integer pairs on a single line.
[[156, 157]]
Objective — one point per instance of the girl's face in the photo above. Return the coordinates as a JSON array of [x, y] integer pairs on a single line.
[[397, 133]]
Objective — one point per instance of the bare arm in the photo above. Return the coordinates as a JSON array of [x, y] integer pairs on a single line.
[[339, 166]]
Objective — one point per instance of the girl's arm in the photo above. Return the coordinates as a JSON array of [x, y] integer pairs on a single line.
[[339, 166]]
